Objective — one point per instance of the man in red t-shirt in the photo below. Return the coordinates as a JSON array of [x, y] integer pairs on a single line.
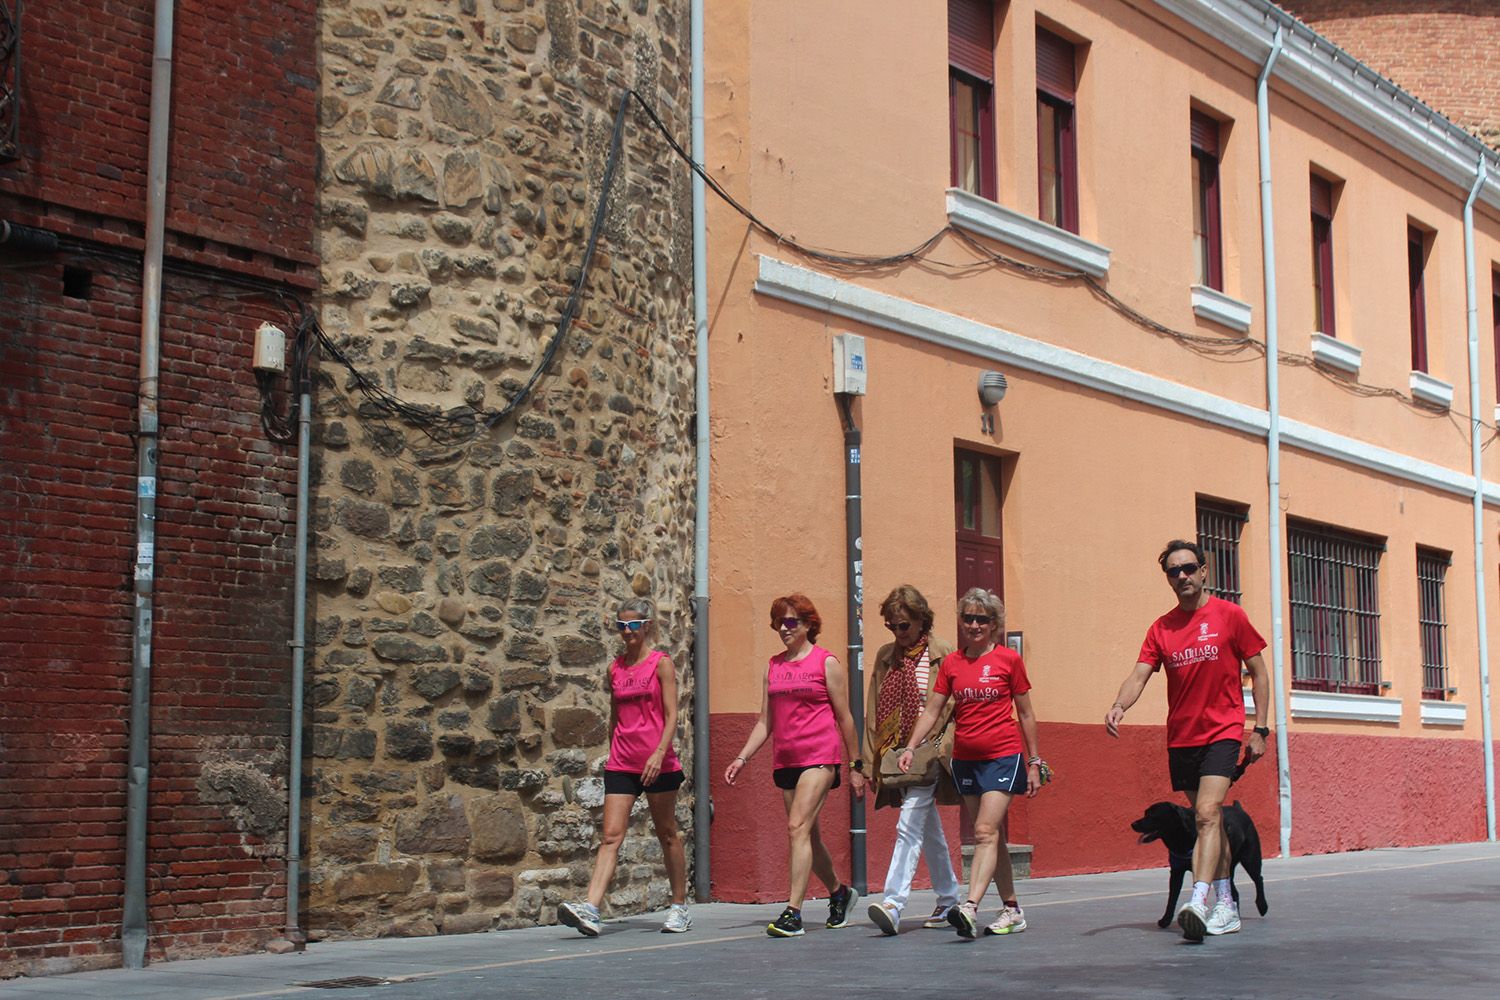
[[1202, 643]]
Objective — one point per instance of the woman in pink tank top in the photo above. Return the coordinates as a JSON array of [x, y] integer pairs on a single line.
[[804, 710], [643, 721]]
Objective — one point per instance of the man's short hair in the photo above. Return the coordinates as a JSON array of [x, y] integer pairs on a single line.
[[1181, 543]]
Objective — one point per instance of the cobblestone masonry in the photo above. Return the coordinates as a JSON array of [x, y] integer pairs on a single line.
[[458, 701]]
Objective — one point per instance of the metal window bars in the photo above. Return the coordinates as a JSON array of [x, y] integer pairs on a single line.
[[1219, 527], [1335, 610], [1432, 619]]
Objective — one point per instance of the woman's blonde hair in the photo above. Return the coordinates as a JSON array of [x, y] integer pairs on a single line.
[[987, 600]]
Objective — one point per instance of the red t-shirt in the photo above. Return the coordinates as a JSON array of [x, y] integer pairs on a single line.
[[1202, 651], [983, 689]]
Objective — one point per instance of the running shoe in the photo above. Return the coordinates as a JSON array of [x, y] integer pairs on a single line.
[[582, 917], [886, 917], [1224, 918], [939, 918], [789, 924], [1193, 919], [1010, 920], [839, 905], [962, 919], [678, 920]]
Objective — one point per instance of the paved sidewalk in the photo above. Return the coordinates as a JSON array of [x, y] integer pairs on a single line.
[[1417, 923]]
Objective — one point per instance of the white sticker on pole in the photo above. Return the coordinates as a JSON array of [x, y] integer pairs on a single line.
[[145, 553], [853, 456], [145, 486]]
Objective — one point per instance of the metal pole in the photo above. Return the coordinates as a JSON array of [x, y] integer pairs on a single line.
[[854, 545], [1273, 445], [702, 776], [1476, 445], [133, 911], [299, 650]]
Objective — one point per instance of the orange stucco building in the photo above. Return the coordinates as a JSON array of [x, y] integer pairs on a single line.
[[1092, 170]]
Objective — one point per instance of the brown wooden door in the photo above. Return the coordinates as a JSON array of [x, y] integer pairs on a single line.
[[977, 545]]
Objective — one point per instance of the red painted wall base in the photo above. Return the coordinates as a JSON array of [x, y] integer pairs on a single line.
[[1349, 792]]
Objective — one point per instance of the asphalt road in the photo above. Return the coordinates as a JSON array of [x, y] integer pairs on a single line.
[[1417, 923]]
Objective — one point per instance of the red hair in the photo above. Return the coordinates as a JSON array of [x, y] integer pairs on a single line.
[[800, 606]]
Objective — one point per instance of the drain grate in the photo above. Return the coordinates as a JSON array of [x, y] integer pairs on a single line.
[[347, 983]]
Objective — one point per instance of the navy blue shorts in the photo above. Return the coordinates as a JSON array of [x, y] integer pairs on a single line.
[[629, 783], [975, 777]]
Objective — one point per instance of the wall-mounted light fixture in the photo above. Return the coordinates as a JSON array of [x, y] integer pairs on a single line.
[[992, 386]]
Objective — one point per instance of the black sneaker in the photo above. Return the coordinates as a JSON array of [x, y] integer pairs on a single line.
[[789, 924], [838, 906]]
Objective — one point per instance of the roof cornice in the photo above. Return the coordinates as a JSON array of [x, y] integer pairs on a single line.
[[1350, 89]]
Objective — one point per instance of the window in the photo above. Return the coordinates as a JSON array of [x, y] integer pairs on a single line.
[[971, 96], [1416, 260], [1056, 147], [1219, 526], [1495, 322], [1207, 243], [1432, 618], [976, 495], [1335, 609], [1322, 254]]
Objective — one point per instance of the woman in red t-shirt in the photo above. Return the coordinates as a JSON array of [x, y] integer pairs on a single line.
[[993, 727]]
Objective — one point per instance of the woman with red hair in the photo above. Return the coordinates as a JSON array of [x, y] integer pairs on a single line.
[[804, 709]]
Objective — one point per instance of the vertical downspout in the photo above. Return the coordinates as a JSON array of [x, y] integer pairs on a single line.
[[855, 583], [1476, 445], [299, 648], [702, 777], [133, 911], [1273, 444]]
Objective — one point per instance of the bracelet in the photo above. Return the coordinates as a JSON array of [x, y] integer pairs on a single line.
[[1122, 708], [742, 760], [1034, 759], [908, 749]]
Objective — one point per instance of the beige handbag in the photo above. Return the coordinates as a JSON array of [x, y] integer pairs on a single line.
[[926, 764]]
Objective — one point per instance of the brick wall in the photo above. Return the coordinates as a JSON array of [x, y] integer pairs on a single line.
[[241, 178], [1447, 52]]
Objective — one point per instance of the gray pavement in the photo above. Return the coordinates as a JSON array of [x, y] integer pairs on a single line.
[[1413, 923]]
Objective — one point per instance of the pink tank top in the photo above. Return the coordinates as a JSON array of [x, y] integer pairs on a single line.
[[804, 729], [639, 717]]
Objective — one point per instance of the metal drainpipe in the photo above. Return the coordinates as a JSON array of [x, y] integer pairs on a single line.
[[1476, 445], [1273, 443], [853, 547], [299, 649], [133, 914], [702, 777]]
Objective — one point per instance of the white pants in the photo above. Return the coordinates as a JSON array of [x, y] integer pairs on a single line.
[[920, 831]]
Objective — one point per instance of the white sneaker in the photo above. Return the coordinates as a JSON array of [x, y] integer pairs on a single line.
[[886, 917], [1193, 919], [678, 920], [1224, 918], [1009, 921], [582, 917]]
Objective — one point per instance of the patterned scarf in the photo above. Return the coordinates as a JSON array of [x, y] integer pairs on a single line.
[[899, 691]]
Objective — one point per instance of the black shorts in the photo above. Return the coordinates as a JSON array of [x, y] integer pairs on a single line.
[[629, 783], [786, 777], [1188, 764]]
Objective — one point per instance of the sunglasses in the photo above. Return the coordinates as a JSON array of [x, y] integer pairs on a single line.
[[1186, 569], [898, 626], [633, 626], [976, 619], [790, 624]]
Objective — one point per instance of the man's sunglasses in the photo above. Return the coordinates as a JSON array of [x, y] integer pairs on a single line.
[[976, 619], [632, 626], [1186, 569], [790, 624]]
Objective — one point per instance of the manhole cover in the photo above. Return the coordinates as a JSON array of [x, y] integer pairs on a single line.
[[347, 983]]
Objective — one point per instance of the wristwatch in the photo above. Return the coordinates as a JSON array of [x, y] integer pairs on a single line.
[[858, 765], [1261, 731]]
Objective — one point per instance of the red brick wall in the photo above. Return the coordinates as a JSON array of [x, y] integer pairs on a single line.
[[1447, 52], [241, 188]]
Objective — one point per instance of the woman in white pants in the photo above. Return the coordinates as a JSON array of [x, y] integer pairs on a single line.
[[900, 683]]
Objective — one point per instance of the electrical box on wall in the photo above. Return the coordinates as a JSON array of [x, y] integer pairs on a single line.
[[270, 349], [849, 371]]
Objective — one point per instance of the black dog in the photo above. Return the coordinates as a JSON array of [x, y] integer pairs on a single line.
[[1176, 827]]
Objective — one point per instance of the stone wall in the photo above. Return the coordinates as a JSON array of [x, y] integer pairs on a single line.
[[463, 589]]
